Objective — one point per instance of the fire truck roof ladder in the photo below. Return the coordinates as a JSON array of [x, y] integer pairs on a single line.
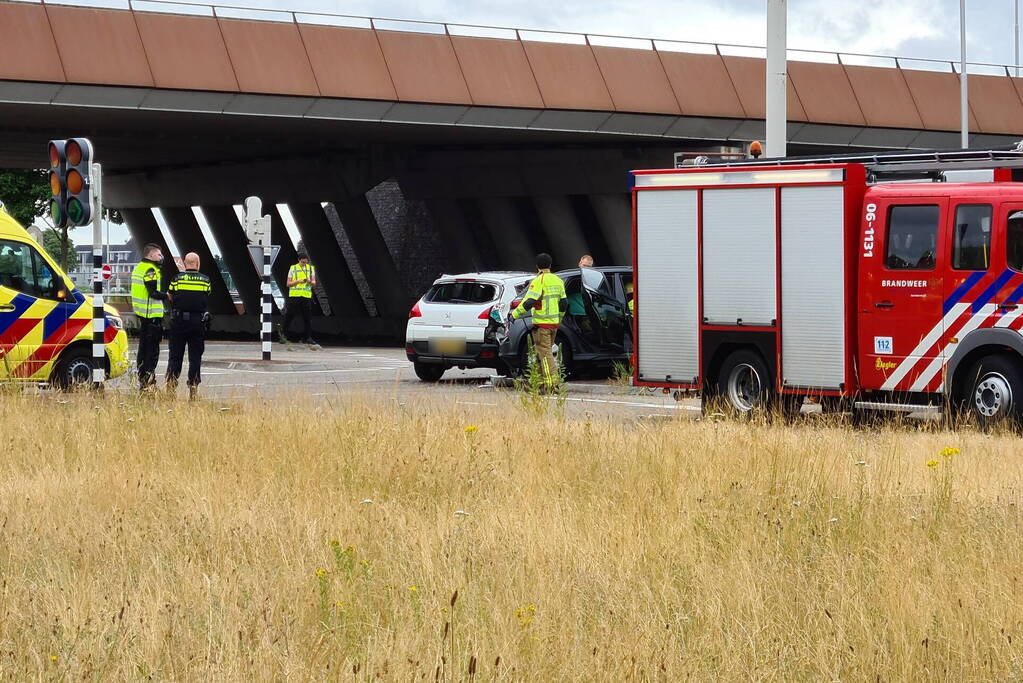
[[900, 165]]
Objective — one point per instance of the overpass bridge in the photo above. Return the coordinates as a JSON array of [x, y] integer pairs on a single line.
[[399, 149]]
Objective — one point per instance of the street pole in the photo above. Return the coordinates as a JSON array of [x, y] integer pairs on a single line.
[[99, 351], [1015, 17], [265, 316], [964, 104], [777, 77]]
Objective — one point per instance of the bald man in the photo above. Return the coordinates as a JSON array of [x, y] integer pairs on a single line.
[[189, 292]]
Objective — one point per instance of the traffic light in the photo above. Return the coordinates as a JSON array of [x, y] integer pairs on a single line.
[[70, 182]]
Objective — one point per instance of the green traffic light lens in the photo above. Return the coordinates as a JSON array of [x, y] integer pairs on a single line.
[[55, 213], [75, 211]]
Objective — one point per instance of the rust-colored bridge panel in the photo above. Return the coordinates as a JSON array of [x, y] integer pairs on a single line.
[[883, 97], [497, 72], [937, 98], [423, 67], [995, 104], [568, 76], [268, 57], [825, 93], [347, 62], [186, 52], [701, 85], [28, 50], [636, 80], [113, 53], [748, 77]]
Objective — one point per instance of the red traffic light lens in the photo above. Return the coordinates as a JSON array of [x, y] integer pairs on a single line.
[[75, 211], [55, 186], [55, 212], [75, 182], [54, 156], [73, 152]]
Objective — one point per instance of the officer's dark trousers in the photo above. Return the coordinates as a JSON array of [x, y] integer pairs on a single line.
[[150, 333], [190, 333], [298, 304]]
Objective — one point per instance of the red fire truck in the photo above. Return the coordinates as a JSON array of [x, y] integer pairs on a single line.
[[878, 282]]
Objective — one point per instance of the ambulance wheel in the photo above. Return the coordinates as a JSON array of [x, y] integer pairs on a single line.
[[73, 371], [994, 391], [429, 372], [744, 383]]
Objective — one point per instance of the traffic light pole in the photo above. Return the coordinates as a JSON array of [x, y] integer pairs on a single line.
[[98, 315]]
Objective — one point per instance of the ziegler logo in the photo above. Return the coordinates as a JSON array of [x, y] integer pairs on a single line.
[[868, 230], [882, 364]]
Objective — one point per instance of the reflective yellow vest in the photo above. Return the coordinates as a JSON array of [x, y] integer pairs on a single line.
[[302, 290], [142, 304], [547, 290]]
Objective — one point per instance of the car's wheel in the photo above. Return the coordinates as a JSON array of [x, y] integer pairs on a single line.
[[429, 372], [73, 371], [993, 391], [744, 383]]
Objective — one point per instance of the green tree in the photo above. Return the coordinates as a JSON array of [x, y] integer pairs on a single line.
[[53, 243], [25, 193]]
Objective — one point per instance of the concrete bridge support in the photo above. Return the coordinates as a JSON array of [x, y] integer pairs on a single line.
[[614, 215], [187, 235], [325, 253], [374, 257], [562, 228], [230, 236], [515, 249], [461, 248]]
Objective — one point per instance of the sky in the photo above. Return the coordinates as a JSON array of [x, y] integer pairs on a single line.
[[924, 29]]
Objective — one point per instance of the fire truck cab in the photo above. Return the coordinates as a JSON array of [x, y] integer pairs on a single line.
[[864, 282]]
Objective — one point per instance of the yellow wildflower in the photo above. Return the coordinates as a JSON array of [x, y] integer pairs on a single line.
[[949, 451], [413, 589], [321, 573], [336, 543], [53, 658], [350, 549], [933, 462], [339, 604], [471, 429]]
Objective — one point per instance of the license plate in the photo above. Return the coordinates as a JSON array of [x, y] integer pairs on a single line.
[[449, 347]]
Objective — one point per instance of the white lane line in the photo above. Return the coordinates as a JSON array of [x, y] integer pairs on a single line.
[[284, 373]]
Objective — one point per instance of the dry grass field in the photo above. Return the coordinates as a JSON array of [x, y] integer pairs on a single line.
[[374, 540]]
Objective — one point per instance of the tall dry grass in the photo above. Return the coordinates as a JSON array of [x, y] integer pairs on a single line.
[[371, 539]]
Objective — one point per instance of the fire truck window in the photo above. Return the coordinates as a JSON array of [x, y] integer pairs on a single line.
[[971, 241], [912, 237], [1014, 241]]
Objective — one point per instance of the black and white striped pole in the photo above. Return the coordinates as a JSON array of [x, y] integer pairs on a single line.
[[99, 318], [257, 229]]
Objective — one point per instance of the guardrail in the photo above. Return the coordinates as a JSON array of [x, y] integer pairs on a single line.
[[543, 35]]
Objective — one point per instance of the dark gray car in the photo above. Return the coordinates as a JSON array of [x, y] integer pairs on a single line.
[[595, 333]]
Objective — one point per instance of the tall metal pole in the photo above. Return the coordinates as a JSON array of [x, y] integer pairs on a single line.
[[964, 103], [777, 77], [1015, 17], [99, 318]]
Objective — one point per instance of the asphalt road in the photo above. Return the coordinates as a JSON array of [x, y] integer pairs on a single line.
[[234, 371]]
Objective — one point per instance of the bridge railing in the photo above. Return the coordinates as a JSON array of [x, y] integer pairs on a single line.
[[542, 35]]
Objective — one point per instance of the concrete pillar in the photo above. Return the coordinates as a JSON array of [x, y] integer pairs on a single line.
[[325, 253], [287, 256], [144, 229], [462, 250], [187, 235], [614, 214], [371, 250], [233, 244], [515, 251], [562, 228]]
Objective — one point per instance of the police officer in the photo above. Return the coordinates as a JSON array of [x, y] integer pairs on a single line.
[[189, 294], [147, 303], [546, 299], [301, 280]]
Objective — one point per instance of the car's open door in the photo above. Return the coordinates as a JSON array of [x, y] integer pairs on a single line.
[[611, 315]]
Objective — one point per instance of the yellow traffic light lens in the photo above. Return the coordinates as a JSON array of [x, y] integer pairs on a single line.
[[73, 151], [54, 156], [55, 187], [75, 182], [75, 211]]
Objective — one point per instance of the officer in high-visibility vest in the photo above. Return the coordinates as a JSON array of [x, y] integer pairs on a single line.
[[147, 303], [547, 300], [189, 294], [301, 280]]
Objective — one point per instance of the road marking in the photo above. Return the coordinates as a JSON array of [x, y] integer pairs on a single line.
[[312, 372], [626, 403]]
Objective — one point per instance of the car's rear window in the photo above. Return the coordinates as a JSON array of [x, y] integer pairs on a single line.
[[461, 293]]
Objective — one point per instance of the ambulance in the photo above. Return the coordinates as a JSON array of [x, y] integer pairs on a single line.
[[45, 321], [888, 282]]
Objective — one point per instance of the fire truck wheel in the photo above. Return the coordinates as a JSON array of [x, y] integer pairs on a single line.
[[744, 382], [995, 394]]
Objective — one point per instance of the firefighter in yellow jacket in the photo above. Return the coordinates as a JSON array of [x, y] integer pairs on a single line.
[[547, 300]]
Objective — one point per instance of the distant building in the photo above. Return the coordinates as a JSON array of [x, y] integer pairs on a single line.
[[122, 259]]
